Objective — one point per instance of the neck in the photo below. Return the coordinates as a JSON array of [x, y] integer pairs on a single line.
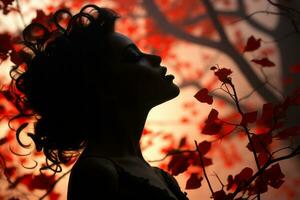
[[122, 138]]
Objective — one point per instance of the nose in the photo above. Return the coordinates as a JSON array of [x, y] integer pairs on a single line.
[[153, 59]]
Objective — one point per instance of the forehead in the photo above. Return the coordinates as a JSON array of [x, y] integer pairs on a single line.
[[118, 41]]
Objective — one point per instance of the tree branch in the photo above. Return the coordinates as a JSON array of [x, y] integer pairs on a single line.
[[203, 168], [264, 167], [199, 18], [214, 18], [236, 99], [243, 14], [224, 47], [169, 28]]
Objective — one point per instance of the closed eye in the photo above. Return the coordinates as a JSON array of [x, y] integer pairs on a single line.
[[132, 54]]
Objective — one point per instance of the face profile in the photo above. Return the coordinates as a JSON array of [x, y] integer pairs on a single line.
[[91, 89], [139, 75]]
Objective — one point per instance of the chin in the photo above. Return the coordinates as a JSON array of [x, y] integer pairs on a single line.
[[168, 95]]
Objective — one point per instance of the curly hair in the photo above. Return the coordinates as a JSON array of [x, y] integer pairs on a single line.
[[55, 84]]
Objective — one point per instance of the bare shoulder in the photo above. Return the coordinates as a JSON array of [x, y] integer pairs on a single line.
[[93, 176]]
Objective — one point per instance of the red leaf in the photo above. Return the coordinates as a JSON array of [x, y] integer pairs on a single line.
[[276, 183], [204, 147], [19, 57], [244, 175], [182, 142], [195, 160], [267, 112], [262, 158], [5, 5], [264, 62], [295, 68], [3, 141], [289, 132], [193, 182], [178, 164], [249, 117], [10, 171], [274, 176], [8, 95], [260, 186], [212, 124], [252, 44], [207, 161], [260, 142], [219, 195], [213, 68], [230, 182], [41, 181], [212, 129], [42, 18], [223, 74], [6, 44], [54, 196], [212, 116], [146, 131], [202, 96]]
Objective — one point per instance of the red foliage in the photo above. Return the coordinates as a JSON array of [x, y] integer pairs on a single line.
[[41, 181], [54, 196], [223, 74], [219, 195], [194, 181], [180, 14], [252, 44], [249, 118], [204, 147], [6, 4], [202, 96], [182, 142], [262, 158], [272, 176], [230, 182], [194, 160], [243, 176], [3, 141], [42, 18], [6, 45], [212, 124], [264, 62], [260, 142], [178, 164]]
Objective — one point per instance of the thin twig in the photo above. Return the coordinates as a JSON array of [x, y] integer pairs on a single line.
[[255, 13], [203, 168], [245, 129], [264, 167], [172, 153]]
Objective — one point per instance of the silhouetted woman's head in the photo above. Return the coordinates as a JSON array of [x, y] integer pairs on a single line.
[[80, 76]]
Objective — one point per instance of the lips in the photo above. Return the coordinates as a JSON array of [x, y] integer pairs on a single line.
[[163, 71]]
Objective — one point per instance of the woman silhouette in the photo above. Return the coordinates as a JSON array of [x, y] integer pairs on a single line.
[[91, 89]]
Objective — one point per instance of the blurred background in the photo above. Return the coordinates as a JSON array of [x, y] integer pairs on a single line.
[[191, 36]]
